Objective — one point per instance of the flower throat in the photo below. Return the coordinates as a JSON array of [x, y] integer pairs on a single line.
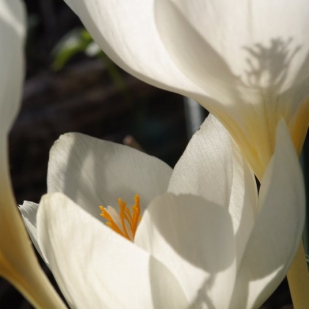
[[126, 221]]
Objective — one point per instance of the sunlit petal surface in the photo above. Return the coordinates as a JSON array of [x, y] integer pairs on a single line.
[[94, 172], [205, 169], [278, 227], [194, 238], [211, 250], [97, 268], [247, 63]]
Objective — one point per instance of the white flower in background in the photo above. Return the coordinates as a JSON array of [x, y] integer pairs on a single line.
[[18, 263], [247, 63], [210, 242]]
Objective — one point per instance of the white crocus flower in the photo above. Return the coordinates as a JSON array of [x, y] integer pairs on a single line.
[[246, 62], [210, 242], [18, 263]]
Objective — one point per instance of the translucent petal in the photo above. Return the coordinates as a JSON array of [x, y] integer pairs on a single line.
[[205, 168], [249, 57], [128, 34], [118, 273], [278, 227], [94, 172], [194, 239]]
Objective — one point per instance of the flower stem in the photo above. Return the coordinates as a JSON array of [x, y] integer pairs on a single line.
[[298, 279]]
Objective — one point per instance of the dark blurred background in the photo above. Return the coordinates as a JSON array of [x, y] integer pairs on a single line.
[[72, 87]]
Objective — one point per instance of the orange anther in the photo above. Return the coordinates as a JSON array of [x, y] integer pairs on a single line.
[[126, 221]]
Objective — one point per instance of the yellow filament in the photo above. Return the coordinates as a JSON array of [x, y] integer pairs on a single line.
[[128, 219]]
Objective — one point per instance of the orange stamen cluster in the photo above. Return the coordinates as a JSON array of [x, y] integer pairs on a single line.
[[125, 223]]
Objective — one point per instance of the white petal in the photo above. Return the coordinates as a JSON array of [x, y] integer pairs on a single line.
[[127, 32], [28, 212], [94, 172], [243, 202], [206, 169], [12, 33], [247, 64], [278, 228], [194, 238], [219, 44], [18, 263], [213, 168], [249, 57], [97, 268]]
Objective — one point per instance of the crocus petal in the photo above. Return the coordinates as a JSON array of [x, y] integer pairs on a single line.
[[213, 168], [278, 228], [94, 172], [243, 202], [18, 263], [268, 36], [247, 64], [29, 212], [194, 239], [12, 33], [118, 273], [205, 168], [251, 58], [127, 32]]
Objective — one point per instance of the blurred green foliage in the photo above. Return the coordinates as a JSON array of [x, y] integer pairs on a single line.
[[74, 42], [79, 41]]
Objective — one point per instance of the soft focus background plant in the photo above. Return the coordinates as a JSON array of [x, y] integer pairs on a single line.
[[73, 86]]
